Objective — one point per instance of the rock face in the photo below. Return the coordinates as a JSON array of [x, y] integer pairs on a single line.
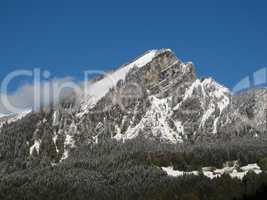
[[156, 96], [252, 106]]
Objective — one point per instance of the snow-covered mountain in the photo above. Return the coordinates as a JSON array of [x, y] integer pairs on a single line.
[[9, 118], [156, 96]]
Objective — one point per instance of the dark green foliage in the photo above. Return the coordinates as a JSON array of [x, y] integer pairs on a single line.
[[263, 163], [131, 170], [114, 170], [15, 140]]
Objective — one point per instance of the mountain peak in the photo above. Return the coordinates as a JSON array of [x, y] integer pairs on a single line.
[[164, 101]]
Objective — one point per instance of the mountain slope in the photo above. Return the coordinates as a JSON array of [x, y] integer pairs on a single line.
[[156, 96]]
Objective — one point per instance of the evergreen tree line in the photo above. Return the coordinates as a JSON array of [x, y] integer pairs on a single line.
[[129, 170], [132, 170]]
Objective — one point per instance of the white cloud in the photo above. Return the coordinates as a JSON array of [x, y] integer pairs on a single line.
[[27, 96]]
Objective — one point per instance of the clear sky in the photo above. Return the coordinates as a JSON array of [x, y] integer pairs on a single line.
[[224, 39]]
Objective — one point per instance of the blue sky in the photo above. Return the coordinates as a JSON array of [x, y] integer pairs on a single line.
[[224, 39]]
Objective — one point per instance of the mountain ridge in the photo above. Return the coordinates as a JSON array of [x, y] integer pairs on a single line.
[[156, 95]]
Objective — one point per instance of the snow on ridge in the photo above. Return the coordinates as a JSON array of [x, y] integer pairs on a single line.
[[189, 92], [13, 117], [3, 115], [211, 81], [220, 99], [16, 115], [212, 94], [220, 92], [100, 88], [23, 114], [156, 118]]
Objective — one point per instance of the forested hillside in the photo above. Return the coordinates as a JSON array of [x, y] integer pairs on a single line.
[[132, 170]]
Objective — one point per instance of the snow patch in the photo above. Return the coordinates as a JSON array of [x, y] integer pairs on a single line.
[[215, 125], [156, 120], [35, 146], [211, 173], [55, 118], [251, 167], [55, 141], [207, 115], [9, 118], [212, 95], [68, 144], [175, 173], [100, 88]]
